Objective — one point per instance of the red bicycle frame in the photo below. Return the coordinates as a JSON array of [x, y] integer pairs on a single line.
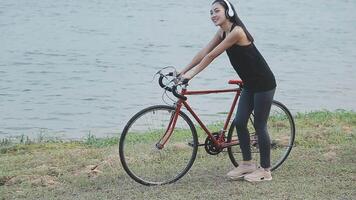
[[219, 142]]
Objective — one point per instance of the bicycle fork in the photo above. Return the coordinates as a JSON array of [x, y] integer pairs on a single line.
[[169, 130]]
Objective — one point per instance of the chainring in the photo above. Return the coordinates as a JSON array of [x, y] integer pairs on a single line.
[[210, 148]]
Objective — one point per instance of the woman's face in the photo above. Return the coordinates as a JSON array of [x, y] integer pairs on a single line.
[[217, 14]]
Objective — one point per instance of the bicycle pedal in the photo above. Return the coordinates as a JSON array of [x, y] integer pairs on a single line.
[[191, 144]]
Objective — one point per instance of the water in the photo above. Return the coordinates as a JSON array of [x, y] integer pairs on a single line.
[[69, 68]]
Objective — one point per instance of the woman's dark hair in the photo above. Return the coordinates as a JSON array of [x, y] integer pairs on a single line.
[[234, 19]]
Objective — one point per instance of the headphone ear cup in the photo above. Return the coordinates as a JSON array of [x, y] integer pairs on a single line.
[[229, 12]]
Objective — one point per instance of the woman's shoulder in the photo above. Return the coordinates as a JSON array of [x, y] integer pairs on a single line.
[[237, 30], [239, 33]]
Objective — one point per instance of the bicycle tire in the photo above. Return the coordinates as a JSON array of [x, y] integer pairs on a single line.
[[149, 165], [281, 130]]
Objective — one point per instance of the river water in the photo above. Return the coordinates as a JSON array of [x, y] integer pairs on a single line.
[[69, 68]]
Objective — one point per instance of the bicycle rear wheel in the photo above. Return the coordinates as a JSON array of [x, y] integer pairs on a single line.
[[281, 130], [146, 163]]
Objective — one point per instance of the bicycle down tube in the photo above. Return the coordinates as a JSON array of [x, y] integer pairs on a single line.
[[181, 102]]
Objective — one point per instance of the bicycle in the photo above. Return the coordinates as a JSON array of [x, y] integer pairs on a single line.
[[160, 135]]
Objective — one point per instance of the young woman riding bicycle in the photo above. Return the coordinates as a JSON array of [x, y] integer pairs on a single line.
[[258, 91]]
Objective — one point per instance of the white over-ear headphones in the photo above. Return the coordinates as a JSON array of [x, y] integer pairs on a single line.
[[230, 12]]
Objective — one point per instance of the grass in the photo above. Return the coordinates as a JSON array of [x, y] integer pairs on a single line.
[[321, 166]]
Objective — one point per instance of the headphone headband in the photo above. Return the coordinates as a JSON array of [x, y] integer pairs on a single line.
[[230, 11]]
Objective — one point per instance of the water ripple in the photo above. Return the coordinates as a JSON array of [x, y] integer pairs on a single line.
[[65, 69]]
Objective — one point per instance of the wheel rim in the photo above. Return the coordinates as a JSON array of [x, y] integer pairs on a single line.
[[281, 130]]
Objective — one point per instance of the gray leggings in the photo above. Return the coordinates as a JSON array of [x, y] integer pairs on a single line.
[[260, 103]]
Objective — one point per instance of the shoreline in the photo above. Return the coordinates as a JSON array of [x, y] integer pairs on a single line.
[[43, 137]]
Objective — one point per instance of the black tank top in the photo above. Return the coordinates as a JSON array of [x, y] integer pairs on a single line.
[[251, 67]]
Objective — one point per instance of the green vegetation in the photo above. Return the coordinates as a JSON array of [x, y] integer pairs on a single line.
[[321, 166]]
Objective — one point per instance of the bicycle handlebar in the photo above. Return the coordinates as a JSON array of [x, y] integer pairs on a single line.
[[173, 89], [160, 81], [176, 94]]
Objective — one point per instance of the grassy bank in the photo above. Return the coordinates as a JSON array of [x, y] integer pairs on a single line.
[[321, 166]]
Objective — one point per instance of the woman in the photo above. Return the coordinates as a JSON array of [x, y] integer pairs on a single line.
[[258, 91]]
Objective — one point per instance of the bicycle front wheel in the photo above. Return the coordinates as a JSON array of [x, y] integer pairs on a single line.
[[281, 129], [141, 158]]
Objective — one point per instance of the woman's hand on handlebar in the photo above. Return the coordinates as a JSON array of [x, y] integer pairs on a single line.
[[176, 78], [180, 80], [184, 78], [189, 74]]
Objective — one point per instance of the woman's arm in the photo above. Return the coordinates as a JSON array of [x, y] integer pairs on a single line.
[[202, 53], [231, 39]]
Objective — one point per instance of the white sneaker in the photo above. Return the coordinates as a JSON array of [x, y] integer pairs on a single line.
[[240, 171], [259, 175]]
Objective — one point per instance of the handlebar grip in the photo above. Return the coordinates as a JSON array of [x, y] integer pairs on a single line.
[[160, 81], [176, 94]]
